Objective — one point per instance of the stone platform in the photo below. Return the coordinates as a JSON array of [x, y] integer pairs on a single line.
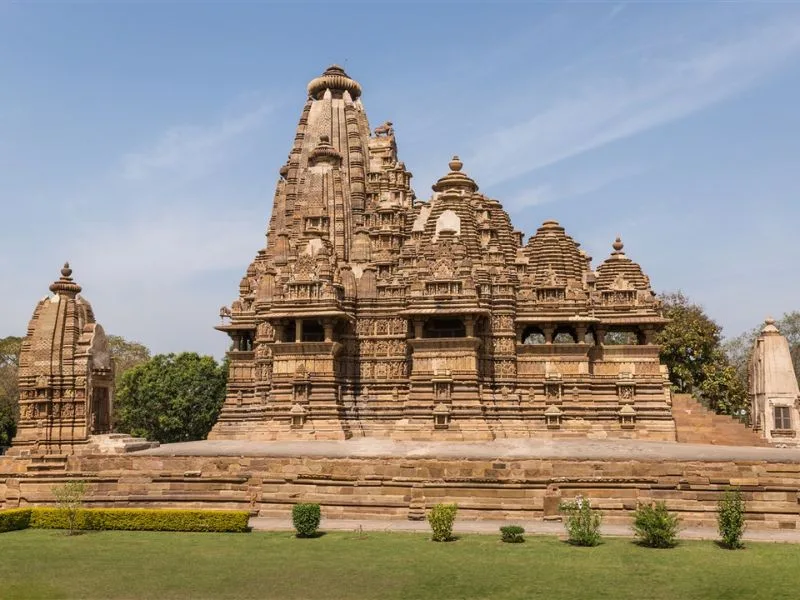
[[496, 449], [503, 480]]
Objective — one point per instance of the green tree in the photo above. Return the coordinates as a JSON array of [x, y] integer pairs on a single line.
[[9, 396], [126, 355], [691, 349], [688, 342], [171, 398]]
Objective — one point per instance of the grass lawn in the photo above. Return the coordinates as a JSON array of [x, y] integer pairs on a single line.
[[49, 564]]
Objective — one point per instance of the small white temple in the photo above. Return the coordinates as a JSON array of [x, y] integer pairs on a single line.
[[774, 393]]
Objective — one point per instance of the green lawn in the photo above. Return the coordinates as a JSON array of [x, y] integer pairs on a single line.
[[49, 564]]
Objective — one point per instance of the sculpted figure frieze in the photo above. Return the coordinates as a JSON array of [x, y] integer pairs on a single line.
[[375, 288]]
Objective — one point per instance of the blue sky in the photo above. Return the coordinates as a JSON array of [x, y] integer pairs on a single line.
[[142, 140]]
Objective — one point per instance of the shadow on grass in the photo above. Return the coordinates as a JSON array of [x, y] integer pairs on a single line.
[[723, 546], [313, 536], [643, 544], [569, 542]]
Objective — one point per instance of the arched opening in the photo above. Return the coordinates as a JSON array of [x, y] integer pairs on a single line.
[[444, 328], [565, 335], [533, 336], [313, 331]]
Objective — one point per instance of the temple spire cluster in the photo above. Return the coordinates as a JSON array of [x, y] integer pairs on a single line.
[[371, 312]]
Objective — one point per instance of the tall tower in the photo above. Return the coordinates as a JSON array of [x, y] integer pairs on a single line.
[[66, 374], [370, 313], [294, 357]]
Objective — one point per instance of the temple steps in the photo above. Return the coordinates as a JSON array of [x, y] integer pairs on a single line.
[[47, 462], [695, 424]]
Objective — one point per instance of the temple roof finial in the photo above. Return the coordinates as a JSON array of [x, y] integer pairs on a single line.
[[455, 179], [618, 246], [65, 285], [334, 78]]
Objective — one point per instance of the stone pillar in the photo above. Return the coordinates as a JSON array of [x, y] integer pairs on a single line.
[[279, 326], [418, 324], [580, 333], [599, 336], [548, 331], [520, 331], [327, 325], [469, 324], [298, 330]]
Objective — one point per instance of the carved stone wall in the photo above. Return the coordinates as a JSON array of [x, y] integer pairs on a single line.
[[371, 296]]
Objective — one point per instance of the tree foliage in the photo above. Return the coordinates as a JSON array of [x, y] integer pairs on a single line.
[[126, 355], [9, 396], [171, 398], [691, 348]]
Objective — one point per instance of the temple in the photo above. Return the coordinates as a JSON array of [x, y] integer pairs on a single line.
[[372, 313], [774, 393], [66, 374]]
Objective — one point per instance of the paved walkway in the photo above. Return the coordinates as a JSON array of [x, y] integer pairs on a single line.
[[531, 527], [496, 449]]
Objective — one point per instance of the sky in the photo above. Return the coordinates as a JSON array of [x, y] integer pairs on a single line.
[[141, 140]]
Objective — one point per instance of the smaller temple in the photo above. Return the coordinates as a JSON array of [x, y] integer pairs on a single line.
[[774, 393], [66, 374]]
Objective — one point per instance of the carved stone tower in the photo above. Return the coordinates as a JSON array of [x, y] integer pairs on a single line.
[[65, 374], [369, 312]]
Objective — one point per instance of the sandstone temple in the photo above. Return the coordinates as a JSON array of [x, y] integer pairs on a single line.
[[774, 393], [370, 312], [65, 373], [383, 324]]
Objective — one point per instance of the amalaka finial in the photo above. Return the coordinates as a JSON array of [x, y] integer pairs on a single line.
[[65, 285], [769, 321], [455, 164], [618, 246]]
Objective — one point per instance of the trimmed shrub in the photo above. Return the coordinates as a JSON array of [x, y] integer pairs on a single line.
[[142, 519], [581, 522], [730, 519], [512, 534], [441, 519], [655, 526], [306, 518], [14, 519]]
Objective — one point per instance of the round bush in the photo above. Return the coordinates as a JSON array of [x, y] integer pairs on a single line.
[[512, 534], [305, 518], [441, 519]]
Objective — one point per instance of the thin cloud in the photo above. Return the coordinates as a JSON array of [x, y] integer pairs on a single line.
[[613, 106], [578, 184], [190, 151]]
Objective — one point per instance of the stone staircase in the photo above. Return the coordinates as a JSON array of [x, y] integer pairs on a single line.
[[695, 424], [119, 443]]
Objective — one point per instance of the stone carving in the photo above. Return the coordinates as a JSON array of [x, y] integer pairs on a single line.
[[384, 130], [62, 338], [371, 285]]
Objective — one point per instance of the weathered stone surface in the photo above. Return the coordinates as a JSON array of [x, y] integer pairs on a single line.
[[774, 393], [401, 487], [372, 313], [65, 374]]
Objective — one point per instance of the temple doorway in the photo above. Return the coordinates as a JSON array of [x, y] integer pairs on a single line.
[[101, 411]]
